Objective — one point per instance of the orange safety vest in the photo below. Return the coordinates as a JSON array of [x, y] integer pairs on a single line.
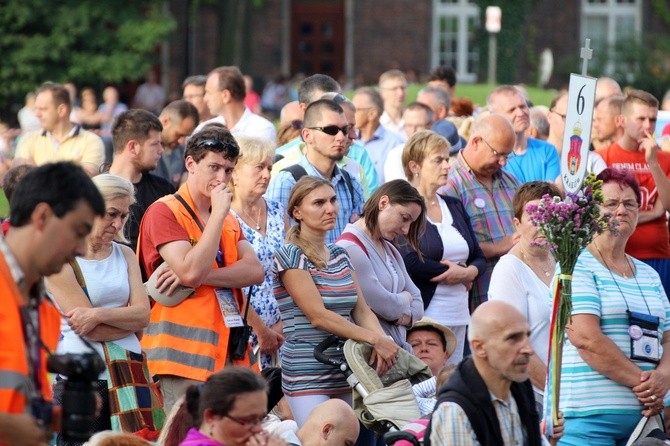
[[190, 340], [14, 378]]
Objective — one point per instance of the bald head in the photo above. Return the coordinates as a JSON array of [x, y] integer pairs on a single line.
[[500, 343], [332, 423], [492, 139], [606, 86], [490, 317], [291, 112]]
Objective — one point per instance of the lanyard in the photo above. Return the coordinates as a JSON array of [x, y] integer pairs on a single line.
[[30, 319]]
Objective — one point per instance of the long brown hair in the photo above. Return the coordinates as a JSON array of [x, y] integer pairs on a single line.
[[302, 188], [402, 193]]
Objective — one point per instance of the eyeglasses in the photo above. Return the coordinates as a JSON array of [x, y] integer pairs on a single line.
[[629, 205], [332, 130], [502, 156], [559, 114], [217, 144], [249, 422]]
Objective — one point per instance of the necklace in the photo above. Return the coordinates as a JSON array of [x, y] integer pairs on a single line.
[[256, 220], [630, 267], [547, 272]]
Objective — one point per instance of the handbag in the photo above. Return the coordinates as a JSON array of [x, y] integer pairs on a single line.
[[238, 339], [648, 427], [135, 403]]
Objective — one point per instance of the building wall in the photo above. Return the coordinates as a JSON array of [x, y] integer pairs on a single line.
[[556, 28], [395, 35]]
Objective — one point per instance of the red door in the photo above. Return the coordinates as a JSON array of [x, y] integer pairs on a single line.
[[317, 37]]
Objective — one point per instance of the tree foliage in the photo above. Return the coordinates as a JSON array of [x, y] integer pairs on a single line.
[[84, 41]]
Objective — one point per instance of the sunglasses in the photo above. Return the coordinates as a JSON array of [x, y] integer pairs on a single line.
[[216, 144], [332, 130], [296, 124]]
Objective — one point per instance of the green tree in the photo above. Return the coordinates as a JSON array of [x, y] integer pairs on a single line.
[[84, 41]]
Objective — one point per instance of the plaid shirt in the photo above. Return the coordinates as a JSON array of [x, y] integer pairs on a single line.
[[350, 210], [491, 213], [451, 425]]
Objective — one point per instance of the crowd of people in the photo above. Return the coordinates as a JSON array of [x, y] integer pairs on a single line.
[[195, 248]]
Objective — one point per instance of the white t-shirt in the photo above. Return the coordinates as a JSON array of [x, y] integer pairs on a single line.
[[250, 124], [449, 305], [515, 283]]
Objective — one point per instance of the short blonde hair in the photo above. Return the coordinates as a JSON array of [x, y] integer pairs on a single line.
[[112, 187], [254, 150], [420, 146]]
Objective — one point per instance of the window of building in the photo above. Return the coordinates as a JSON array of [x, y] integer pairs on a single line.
[[455, 23], [607, 22]]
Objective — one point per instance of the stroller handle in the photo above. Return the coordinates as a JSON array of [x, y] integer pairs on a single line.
[[390, 438], [323, 346]]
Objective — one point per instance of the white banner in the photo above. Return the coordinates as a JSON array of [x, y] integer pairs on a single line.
[[577, 136]]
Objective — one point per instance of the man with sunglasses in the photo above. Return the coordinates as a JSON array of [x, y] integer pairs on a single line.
[[532, 159], [356, 160], [477, 179], [325, 135], [203, 246]]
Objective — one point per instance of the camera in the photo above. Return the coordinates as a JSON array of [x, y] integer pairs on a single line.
[[79, 394]]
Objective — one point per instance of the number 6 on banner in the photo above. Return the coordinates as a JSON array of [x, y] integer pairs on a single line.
[[577, 135]]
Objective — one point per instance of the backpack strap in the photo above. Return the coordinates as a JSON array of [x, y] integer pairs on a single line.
[[298, 172], [348, 236]]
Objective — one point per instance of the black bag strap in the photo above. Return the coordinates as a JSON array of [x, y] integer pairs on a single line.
[[196, 219], [190, 211], [297, 171]]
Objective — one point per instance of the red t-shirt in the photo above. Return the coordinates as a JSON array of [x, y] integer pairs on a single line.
[[651, 239], [160, 226]]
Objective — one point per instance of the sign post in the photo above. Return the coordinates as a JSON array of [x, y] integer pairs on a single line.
[[577, 136], [493, 22]]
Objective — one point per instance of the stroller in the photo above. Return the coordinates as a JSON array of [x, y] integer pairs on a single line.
[[382, 404]]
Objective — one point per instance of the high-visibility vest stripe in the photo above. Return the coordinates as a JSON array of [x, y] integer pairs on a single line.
[[10, 379], [182, 331], [172, 354]]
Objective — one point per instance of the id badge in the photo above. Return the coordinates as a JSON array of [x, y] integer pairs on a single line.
[[229, 309], [643, 332]]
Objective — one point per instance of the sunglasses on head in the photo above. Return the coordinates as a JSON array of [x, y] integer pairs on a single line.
[[332, 130], [216, 144]]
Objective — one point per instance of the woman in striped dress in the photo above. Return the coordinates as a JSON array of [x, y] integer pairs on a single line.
[[317, 292]]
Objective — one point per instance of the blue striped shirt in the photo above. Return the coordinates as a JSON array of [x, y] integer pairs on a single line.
[[350, 210], [597, 291]]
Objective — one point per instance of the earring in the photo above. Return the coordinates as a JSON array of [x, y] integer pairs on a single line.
[[211, 430]]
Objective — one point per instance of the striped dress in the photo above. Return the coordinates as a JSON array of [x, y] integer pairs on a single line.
[[301, 373], [584, 391]]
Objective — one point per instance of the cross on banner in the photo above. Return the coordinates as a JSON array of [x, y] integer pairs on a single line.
[[586, 54]]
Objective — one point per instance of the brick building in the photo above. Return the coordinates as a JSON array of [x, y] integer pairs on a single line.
[[355, 40]]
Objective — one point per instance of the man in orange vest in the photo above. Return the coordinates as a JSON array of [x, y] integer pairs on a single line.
[[52, 211], [205, 249]]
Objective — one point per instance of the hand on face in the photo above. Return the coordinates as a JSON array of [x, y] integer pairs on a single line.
[[649, 147], [221, 197]]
